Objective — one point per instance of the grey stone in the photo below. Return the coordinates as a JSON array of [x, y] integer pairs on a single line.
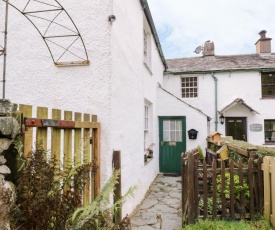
[[4, 145], [149, 218], [6, 107], [2, 158], [4, 170], [9, 127], [148, 203]]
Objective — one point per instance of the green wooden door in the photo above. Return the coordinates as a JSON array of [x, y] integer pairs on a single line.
[[172, 137]]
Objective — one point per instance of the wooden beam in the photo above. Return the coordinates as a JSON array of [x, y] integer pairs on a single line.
[[117, 191]]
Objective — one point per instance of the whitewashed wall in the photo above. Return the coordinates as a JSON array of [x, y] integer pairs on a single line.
[[171, 106], [33, 79], [245, 85], [132, 83]]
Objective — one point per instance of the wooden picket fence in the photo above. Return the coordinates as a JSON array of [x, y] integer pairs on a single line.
[[72, 140], [200, 187], [268, 167]]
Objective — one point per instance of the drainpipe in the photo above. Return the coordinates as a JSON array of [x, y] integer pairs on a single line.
[[216, 101]]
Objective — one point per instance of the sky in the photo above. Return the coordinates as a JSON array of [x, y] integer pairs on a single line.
[[233, 25]]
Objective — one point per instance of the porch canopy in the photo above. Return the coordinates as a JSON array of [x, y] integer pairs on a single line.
[[237, 101]]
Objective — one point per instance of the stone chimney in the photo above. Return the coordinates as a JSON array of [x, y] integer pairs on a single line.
[[208, 49], [263, 45]]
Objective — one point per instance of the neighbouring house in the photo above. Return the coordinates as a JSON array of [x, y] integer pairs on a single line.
[[236, 91]]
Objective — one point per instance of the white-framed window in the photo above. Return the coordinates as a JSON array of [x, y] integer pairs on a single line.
[[147, 37], [189, 87], [148, 124], [269, 129]]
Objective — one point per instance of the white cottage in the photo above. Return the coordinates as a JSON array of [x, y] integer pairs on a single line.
[[102, 57], [237, 91]]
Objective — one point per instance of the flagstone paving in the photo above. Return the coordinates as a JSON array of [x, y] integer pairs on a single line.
[[161, 208]]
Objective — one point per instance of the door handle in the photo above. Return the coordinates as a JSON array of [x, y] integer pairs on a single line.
[[161, 143]]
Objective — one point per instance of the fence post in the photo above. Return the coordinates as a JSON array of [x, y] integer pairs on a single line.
[[184, 182], [117, 191], [191, 208], [250, 180], [265, 168], [96, 156]]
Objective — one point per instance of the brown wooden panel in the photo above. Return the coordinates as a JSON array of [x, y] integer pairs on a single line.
[[191, 209], [96, 132], [260, 186], [241, 179], [87, 159], [205, 190], [223, 188], [117, 191], [41, 133], [28, 135], [196, 187], [214, 187], [232, 190], [250, 180], [184, 187]]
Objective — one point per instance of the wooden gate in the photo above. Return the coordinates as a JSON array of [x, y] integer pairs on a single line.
[[74, 139], [217, 191]]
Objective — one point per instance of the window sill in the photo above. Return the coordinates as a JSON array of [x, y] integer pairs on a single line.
[[148, 160], [268, 97], [148, 68]]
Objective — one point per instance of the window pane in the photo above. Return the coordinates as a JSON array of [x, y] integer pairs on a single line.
[[172, 125], [166, 136], [166, 125], [179, 136], [179, 125], [173, 135], [269, 128]]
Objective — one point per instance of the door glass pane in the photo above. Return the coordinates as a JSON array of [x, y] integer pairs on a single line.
[[166, 136], [166, 125], [172, 130]]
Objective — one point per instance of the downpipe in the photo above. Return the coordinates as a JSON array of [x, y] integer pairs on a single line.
[[216, 100]]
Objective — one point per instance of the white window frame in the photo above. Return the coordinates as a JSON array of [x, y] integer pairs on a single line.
[[147, 45], [189, 89]]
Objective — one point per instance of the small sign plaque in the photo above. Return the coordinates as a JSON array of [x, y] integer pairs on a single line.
[[172, 143], [256, 127]]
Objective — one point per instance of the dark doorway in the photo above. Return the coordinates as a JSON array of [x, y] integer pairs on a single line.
[[236, 127]]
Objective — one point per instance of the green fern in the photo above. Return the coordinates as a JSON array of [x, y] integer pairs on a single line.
[[96, 214]]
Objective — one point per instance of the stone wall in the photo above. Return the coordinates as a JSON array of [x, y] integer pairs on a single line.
[[9, 129]]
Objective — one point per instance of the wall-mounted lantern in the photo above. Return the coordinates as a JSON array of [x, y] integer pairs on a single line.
[[222, 119], [192, 134]]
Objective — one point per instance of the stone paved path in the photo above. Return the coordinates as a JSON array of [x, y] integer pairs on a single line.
[[161, 208]]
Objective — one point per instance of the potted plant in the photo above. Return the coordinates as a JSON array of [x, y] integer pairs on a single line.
[[150, 151]]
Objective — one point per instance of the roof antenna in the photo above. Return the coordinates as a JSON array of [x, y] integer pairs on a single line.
[[198, 49]]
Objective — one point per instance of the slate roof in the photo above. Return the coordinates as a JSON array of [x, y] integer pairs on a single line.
[[221, 62]]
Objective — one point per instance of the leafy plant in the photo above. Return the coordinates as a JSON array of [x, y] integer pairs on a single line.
[[42, 202], [200, 152], [6, 205], [99, 214], [238, 188]]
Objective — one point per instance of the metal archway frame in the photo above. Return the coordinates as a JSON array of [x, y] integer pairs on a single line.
[[69, 43]]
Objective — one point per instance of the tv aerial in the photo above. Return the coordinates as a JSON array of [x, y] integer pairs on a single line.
[[198, 49]]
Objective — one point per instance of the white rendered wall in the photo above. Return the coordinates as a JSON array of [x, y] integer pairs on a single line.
[[244, 85], [33, 79], [171, 106], [132, 83]]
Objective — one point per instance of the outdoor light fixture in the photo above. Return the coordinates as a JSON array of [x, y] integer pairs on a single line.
[[222, 119], [111, 18]]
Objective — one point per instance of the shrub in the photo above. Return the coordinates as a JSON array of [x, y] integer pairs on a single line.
[[42, 201]]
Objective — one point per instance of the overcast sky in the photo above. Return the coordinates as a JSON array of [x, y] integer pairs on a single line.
[[233, 25]]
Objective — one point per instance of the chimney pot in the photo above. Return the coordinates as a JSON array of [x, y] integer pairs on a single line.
[[262, 33], [263, 45]]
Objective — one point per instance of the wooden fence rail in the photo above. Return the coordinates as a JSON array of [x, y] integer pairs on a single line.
[[268, 167], [73, 140], [209, 191]]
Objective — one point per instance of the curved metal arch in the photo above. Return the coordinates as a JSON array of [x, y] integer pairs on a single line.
[[67, 43]]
